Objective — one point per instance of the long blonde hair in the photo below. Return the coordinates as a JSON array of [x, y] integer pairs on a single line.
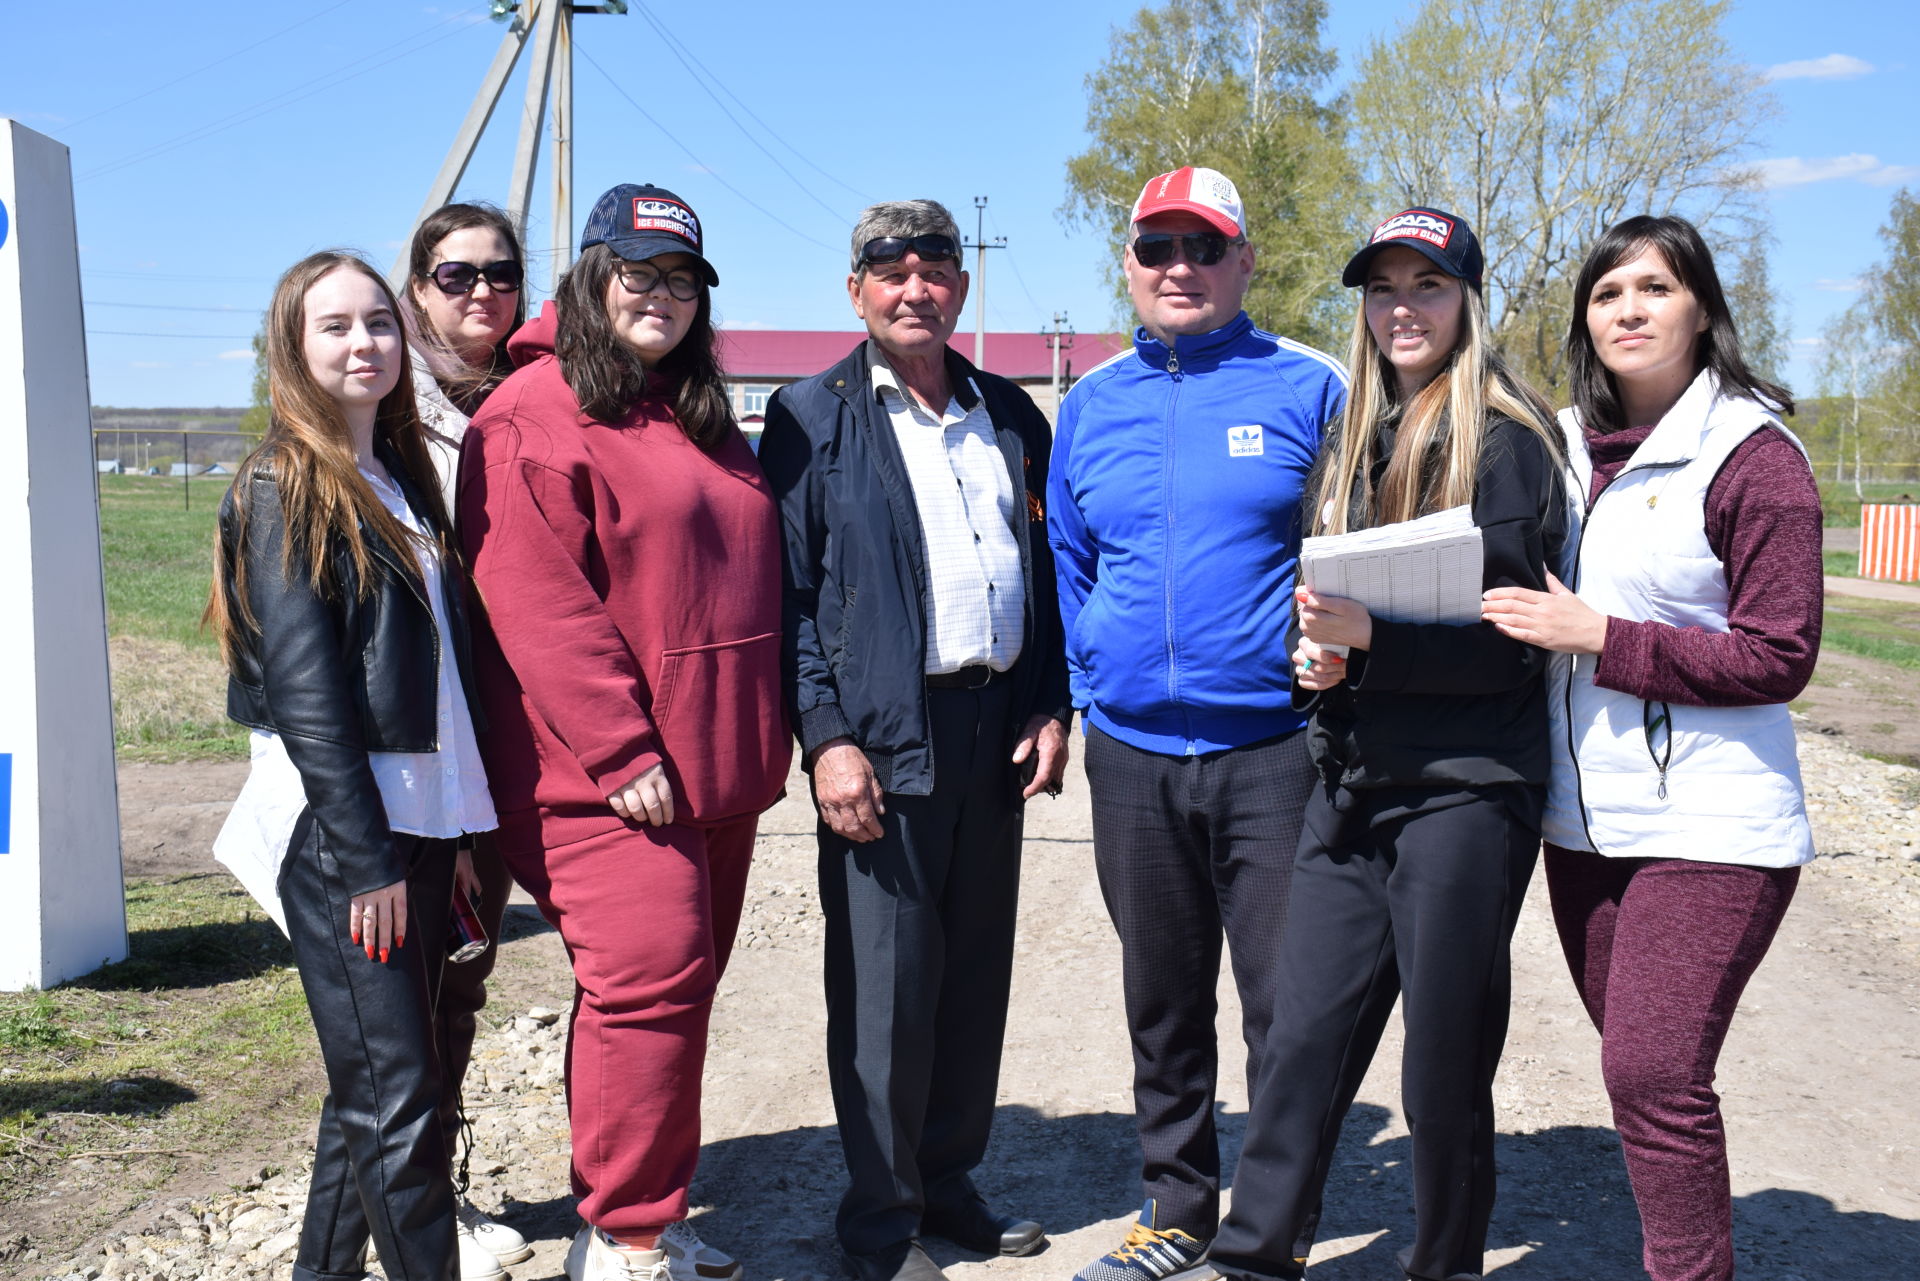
[[308, 449], [1441, 430]]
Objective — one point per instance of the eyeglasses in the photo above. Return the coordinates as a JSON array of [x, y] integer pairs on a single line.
[[456, 278], [935, 248], [1202, 248], [639, 278]]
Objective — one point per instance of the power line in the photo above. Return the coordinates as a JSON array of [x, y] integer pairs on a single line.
[[298, 93], [710, 171], [688, 61], [676, 43], [167, 306], [130, 333], [224, 58], [1016, 268]]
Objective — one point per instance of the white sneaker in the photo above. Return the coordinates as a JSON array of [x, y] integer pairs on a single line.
[[496, 1238], [476, 1264], [691, 1259], [593, 1257]]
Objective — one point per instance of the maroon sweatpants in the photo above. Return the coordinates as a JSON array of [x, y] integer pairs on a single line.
[[648, 916], [1661, 950]]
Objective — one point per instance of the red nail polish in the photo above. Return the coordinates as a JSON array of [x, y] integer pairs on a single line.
[[383, 956]]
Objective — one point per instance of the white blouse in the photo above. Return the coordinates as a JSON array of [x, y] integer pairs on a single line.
[[441, 793]]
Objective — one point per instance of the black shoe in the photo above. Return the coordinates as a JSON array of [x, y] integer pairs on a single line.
[[972, 1225], [903, 1262]]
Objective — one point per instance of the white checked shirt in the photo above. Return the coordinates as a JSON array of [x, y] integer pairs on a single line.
[[975, 595]]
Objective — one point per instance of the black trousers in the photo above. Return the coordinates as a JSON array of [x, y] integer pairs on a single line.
[[380, 1162], [919, 955], [1188, 848], [1397, 892], [463, 994]]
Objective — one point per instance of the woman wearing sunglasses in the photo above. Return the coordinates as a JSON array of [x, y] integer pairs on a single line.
[[1675, 826], [465, 269], [1431, 739], [626, 548]]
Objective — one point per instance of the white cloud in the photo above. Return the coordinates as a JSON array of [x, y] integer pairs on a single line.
[[1835, 66], [1795, 171], [237, 354], [1825, 285]]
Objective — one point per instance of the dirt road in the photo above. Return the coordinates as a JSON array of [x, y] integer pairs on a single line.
[[1818, 1075]]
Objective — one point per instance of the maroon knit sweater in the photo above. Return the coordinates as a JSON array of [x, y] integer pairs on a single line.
[[1764, 523]]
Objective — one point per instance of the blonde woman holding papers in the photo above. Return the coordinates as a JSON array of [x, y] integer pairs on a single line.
[[1430, 739]]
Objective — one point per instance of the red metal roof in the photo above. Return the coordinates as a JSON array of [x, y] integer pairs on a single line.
[[801, 353]]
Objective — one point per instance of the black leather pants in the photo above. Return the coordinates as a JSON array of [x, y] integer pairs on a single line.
[[380, 1163]]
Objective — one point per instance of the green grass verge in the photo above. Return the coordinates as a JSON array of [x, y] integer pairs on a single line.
[[1840, 564], [1842, 506], [169, 685], [195, 1045], [1886, 630]]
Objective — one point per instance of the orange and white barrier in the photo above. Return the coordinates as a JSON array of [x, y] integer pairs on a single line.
[[1890, 542]]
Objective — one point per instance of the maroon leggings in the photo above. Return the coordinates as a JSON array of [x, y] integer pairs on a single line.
[[1661, 950]]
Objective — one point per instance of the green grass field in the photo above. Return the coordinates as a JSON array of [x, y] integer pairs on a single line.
[[1842, 506], [169, 688], [1886, 630]]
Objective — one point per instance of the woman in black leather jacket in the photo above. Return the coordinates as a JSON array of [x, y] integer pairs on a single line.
[[337, 599]]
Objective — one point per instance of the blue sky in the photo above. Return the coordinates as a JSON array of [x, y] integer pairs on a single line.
[[215, 143]]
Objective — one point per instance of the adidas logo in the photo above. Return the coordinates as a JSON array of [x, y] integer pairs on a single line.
[[1245, 442]]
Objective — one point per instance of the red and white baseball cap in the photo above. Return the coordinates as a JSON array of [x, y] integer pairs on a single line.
[[1206, 192]]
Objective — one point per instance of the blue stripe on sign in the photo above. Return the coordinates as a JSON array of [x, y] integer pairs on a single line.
[[6, 803]]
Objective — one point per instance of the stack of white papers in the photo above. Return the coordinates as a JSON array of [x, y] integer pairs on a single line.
[[1427, 570]]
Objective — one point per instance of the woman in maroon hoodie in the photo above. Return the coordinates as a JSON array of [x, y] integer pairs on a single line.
[[626, 550]]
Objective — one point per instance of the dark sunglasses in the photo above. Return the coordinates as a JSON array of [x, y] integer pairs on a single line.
[[456, 278], [639, 278], [894, 248], [1202, 248]]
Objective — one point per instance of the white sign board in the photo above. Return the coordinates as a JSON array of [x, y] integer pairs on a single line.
[[62, 906]]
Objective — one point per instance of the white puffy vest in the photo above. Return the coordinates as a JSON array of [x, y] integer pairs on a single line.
[[1633, 779]]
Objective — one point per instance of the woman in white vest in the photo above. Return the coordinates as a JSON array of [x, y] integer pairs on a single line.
[[1675, 824], [463, 301]]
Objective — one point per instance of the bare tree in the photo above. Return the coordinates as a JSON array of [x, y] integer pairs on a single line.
[[1543, 122]]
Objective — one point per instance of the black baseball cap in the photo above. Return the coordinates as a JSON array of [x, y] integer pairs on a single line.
[[1443, 237], [640, 221]]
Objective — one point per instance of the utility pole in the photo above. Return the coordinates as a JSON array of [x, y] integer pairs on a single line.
[[549, 24], [1061, 335], [979, 244]]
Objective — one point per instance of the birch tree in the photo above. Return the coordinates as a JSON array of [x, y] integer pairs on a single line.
[[1239, 86], [1543, 122]]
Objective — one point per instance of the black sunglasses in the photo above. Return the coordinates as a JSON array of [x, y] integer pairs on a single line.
[[456, 278], [933, 248], [1202, 248], [642, 278]]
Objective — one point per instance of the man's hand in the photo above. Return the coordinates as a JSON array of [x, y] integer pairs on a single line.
[[849, 796], [647, 797], [1048, 737]]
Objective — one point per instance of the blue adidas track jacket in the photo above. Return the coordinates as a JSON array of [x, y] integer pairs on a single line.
[[1174, 515]]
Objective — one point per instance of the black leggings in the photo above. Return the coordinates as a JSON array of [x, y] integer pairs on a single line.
[[1397, 892]]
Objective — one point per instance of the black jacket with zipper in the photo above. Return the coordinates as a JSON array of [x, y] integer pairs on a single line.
[[337, 676], [855, 565], [1440, 705]]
